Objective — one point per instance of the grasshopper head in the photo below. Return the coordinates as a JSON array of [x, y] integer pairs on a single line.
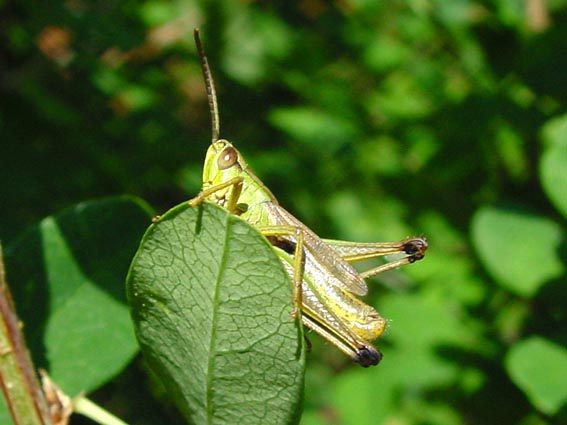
[[224, 166], [222, 163]]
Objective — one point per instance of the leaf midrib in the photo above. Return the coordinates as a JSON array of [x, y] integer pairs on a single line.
[[212, 342]]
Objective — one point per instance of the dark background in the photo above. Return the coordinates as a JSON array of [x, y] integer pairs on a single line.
[[369, 121]]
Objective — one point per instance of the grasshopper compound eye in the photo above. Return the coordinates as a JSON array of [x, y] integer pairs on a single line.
[[228, 157]]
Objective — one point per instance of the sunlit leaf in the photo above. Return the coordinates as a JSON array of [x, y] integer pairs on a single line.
[[311, 126], [553, 164], [519, 249], [539, 367], [212, 308]]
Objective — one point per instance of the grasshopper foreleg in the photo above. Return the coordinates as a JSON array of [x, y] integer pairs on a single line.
[[228, 201]]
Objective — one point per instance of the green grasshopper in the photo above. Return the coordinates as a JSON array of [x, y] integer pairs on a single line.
[[325, 282]]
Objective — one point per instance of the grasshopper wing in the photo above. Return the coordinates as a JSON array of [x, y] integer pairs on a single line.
[[320, 258]]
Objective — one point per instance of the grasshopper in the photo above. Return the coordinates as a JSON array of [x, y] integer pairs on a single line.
[[325, 284]]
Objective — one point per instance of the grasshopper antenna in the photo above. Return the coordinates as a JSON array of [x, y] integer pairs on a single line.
[[210, 84]]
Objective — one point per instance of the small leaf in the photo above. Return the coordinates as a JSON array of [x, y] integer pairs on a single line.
[[519, 249], [312, 127], [253, 41], [539, 368], [554, 163], [212, 308], [67, 277]]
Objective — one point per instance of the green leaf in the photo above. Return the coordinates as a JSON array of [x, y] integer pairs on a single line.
[[212, 308], [253, 41], [311, 127], [554, 163], [67, 277], [539, 368], [519, 249]]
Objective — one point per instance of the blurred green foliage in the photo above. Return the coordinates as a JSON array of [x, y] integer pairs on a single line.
[[369, 121]]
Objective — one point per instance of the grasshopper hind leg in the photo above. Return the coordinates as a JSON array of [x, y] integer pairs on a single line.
[[276, 235], [368, 356], [360, 352], [415, 248]]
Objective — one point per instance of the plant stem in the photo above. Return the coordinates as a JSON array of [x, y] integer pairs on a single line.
[[87, 408], [21, 388]]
